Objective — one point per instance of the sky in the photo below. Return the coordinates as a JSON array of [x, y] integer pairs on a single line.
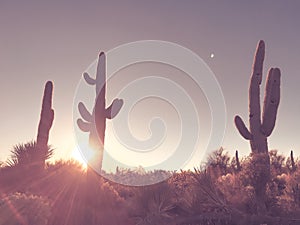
[[58, 40]]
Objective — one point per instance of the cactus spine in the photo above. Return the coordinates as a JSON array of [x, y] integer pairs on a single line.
[[261, 127], [46, 121], [95, 122]]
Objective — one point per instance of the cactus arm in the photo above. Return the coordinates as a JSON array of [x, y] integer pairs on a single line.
[[271, 102], [258, 62], [114, 108], [240, 125], [85, 114], [84, 126], [101, 75], [254, 90], [88, 79]]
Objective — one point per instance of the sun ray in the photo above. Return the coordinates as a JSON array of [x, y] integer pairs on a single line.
[[76, 155]]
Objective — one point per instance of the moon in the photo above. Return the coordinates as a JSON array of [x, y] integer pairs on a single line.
[[212, 55]]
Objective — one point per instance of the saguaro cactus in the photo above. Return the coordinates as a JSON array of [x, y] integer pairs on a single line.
[[95, 122], [261, 127], [260, 130], [293, 161], [46, 120], [238, 165]]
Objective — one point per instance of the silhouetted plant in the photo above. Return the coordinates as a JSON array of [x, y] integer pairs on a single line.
[[277, 162], [296, 194], [45, 124], [293, 161], [220, 159], [95, 124], [200, 197], [207, 196], [238, 165], [153, 205], [29, 155], [261, 126], [260, 130], [24, 209], [235, 163], [96, 121], [290, 163]]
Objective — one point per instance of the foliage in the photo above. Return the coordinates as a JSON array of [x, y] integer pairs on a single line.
[[219, 158], [214, 194], [24, 209], [28, 155]]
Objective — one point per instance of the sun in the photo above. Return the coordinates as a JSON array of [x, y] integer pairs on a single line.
[[79, 158]]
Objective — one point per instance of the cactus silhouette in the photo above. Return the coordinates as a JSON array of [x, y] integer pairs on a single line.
[[293, 161], [261, 128], [238, 164], [45, 124], [95, 122]]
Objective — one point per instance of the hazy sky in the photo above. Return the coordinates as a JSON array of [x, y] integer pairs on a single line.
[[57, 40]]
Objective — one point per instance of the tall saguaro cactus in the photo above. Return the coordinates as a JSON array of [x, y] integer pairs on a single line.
[[95, 122], [261, 126], [46, 120]]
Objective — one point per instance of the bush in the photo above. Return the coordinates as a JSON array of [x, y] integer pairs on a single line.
[[24, 209]]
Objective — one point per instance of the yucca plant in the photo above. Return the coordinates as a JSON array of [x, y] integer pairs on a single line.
[[28, 155]]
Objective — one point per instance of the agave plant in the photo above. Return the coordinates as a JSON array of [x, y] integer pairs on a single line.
[[28, 155]]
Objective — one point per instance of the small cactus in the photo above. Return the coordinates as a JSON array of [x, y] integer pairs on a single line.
[[293, 161], [45, 124], [95, 122], [238, 165]]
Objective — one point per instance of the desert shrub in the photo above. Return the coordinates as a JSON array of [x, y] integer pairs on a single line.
[[237, 195], [137, 177], [216, 194], [219, 159], [104, 205], [24, 209], [207, 197], [256, 170], [180, 183], [153, 204], [277, 162]]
